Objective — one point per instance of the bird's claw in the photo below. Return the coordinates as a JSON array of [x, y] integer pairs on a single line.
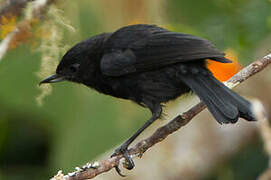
[[129, 163], [119, 171]]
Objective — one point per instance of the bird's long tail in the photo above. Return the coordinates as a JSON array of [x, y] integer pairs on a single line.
[[225, 105]]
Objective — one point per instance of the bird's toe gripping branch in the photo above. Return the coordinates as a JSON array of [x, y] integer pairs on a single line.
[[129, 163]]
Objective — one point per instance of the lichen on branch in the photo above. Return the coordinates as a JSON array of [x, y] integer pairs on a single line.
[[51, 47]]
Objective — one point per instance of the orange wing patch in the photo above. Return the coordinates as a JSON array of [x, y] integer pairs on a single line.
[[224, 71]]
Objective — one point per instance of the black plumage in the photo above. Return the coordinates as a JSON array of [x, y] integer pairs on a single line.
[[151, 65]]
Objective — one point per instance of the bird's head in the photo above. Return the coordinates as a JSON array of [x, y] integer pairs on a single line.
[[80, 62], [68, 68]]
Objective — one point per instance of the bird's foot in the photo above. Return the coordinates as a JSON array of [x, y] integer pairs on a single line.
[[129, 163]]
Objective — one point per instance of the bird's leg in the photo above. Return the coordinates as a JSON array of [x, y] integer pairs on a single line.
[[123, 149]]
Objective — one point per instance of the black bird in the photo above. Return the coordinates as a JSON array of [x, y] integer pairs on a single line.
[[151, 65]]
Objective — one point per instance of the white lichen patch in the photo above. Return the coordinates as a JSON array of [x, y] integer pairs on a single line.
[[230, 84], [59, 176]]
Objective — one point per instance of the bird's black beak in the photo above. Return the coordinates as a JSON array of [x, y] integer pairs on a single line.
[[53, 79]]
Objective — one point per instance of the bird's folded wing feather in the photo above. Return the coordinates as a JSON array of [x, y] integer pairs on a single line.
[[155, 50]]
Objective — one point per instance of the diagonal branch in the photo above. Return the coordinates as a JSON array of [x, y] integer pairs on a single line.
[[90, 171], [15, 8]]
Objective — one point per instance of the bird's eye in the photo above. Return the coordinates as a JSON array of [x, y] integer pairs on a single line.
[[74, 68]]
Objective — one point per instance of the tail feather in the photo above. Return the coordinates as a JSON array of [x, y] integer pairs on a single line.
[[225, 105], [243, 105], [229, 110]]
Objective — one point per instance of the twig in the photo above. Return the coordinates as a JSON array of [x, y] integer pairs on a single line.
[[265, 131], [89, 171], [4, 45], [264, 126], [15, 9]]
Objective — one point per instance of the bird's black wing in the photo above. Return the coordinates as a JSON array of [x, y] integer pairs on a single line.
[[144, 48]]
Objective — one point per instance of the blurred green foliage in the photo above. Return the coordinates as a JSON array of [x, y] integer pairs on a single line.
[[237, 24], [76, 124]]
